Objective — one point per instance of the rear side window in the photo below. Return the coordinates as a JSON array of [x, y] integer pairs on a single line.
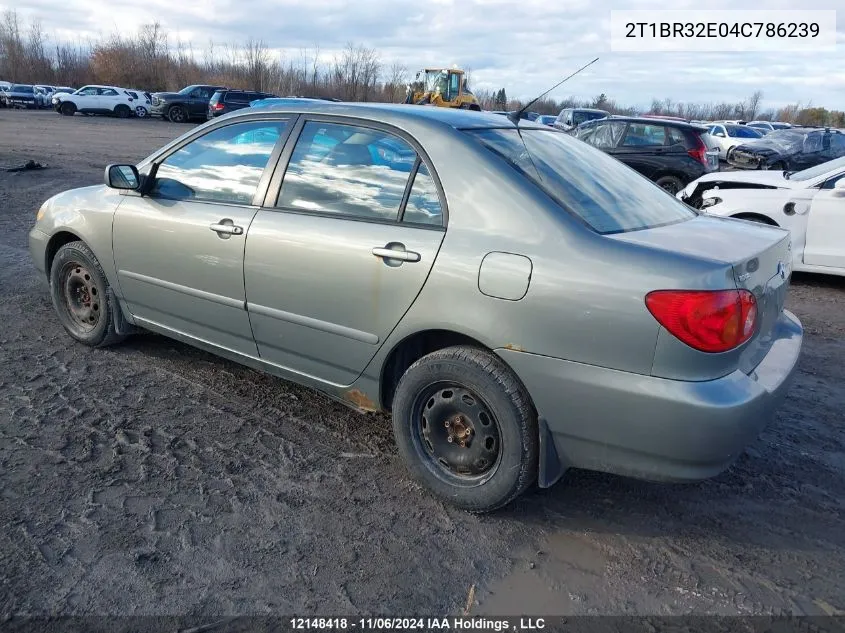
[[584, 181], [224, 165], [348, 171], [644, 135], [134, 95], [423, 206], [676, 137]]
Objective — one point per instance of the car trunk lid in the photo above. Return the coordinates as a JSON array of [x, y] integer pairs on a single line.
[[759, 258]]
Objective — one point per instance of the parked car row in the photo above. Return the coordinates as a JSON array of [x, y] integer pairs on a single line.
[[110, 100], [27, 96]]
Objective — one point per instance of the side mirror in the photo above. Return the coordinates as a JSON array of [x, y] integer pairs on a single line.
[[123, 177], [839, 186]]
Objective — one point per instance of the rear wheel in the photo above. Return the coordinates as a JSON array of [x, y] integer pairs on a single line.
[[672, 184], [177, 114], [141, 112], [68, 109], [466, 429], [80, 293], [122, 111]]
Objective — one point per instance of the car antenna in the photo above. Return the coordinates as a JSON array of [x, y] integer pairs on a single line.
[[514, 116]]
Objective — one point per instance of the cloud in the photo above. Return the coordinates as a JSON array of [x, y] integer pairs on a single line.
[[525, 46]]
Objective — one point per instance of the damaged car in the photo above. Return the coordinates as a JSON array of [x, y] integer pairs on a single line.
[[791, 150], [810, 203]]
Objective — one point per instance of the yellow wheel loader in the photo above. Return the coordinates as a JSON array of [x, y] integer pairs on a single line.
[[441, 87]]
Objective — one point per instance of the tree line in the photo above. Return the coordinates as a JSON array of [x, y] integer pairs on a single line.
[[149, 60]]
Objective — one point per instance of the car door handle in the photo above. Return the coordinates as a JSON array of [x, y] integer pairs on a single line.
[[395, 253], [226, 227]]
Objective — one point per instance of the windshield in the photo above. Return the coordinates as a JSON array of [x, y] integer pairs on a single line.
[[186, 90], [819, 170], [435, 80], [579, 117], [742, 131], [601, 191]]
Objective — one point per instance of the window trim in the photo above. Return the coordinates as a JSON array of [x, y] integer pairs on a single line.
[[277, 179], [151, 167]]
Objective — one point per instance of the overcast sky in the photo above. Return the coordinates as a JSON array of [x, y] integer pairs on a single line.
[[525, 46]]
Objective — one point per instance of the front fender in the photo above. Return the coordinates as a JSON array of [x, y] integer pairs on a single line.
[[86, 213]]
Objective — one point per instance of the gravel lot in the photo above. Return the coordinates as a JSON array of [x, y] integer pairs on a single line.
[[152, 478]]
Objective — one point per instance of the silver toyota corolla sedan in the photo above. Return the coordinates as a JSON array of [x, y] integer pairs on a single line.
[[521, 302]]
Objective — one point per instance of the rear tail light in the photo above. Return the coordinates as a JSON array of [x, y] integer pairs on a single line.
[[699, 153], [217, 107], [706, 320]]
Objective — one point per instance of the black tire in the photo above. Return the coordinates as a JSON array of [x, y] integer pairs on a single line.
[[141, 112], [672, 184], [81, 297], [177, 114], [122, 111], [434, 395], [67, 108]]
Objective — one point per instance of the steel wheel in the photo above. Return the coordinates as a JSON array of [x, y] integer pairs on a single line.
[[80, 296], [455, 434]]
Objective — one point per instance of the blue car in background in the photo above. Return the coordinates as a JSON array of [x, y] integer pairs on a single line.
[[280, 101]]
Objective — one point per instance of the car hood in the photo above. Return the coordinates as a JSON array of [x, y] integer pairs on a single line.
[[768, 178], [167, 95]]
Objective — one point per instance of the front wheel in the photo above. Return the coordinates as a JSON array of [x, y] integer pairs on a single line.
[[80, 293], [68, 109], [466, 429], [177, 114]]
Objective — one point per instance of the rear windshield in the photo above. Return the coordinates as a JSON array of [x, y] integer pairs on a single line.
[[604, 193], [579, 116], [742, 131]]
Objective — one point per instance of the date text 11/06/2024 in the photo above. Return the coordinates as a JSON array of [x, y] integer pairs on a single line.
[[417, 624]]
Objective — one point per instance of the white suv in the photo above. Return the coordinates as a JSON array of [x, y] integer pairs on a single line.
[[96, 100]]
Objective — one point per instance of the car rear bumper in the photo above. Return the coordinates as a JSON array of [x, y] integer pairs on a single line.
[[653, 428]]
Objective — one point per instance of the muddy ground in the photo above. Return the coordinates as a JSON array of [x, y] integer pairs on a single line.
[[152, 478]]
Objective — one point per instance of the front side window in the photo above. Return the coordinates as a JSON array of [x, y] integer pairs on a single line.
[[87, 91], [644, 135], [224, 165], [586, 182], [423, 205], [348, 171]]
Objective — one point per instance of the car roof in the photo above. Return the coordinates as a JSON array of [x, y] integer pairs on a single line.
[[654, 121], [391, 112]]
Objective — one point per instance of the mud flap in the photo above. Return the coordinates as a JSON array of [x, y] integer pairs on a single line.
[[551, 468], [121, 325]]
